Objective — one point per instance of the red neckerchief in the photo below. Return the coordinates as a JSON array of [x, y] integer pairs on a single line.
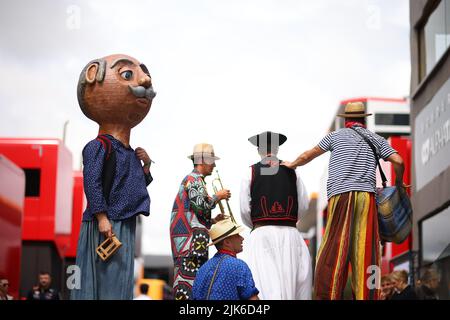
[[228, 252], [349, 124]]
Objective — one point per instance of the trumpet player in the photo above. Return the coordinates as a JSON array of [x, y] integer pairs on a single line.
[[191, 219], [273, 197]]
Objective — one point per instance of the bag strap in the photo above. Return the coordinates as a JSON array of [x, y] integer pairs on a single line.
[[109, 166], [214, 276], [107, 144], [377, 158]]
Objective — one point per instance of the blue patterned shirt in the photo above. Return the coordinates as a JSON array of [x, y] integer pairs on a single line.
[[233, 281], [129, 195]]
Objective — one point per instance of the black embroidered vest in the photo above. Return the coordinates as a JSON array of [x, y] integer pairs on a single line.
[[273, 195]]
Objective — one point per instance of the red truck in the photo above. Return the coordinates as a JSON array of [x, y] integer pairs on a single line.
[[12, 196], [52, 204]]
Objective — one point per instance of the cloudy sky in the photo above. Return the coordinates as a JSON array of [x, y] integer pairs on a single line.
[[223, 69]]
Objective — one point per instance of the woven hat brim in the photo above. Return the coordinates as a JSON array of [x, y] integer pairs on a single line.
[[238, 230]]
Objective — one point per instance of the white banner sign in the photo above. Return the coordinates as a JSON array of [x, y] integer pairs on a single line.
[[432, 138]]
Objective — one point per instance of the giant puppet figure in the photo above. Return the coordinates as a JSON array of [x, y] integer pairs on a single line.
[[116, 92]]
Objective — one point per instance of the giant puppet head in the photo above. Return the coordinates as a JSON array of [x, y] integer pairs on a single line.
[[115, 90]]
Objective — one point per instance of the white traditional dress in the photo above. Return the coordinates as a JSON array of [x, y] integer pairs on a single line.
[[276, 254]]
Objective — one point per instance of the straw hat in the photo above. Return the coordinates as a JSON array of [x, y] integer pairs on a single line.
[[267, 137], [223, 229], [201, 152], [354, 110]]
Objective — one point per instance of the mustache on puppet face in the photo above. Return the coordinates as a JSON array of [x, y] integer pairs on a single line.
[[142, 92]]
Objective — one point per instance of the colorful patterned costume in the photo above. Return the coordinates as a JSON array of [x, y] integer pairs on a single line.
[[189, 224], [351, 236], [351, 233]]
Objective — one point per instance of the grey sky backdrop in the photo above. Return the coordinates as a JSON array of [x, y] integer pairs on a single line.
[[223, 70]]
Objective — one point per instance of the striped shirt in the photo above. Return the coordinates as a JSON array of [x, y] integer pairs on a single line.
[[352, 164]]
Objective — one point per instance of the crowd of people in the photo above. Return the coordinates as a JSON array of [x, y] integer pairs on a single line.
[[395, 286], [43, 290], [116, 92], [272, 200], [234, 280]]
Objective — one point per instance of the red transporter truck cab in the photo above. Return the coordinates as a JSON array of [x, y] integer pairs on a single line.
[[47, 223], [79, 205], [12, 193]]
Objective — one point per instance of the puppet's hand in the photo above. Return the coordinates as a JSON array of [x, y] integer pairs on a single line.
[[142, 155], [104, 226]]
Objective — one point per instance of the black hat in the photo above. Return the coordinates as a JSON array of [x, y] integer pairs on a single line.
[[268, 136]]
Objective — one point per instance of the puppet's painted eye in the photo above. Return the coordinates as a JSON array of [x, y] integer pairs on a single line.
[[126, 74]]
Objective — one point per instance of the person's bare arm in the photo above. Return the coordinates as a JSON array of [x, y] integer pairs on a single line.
[[399, 168], [255, 297], [304, 158]]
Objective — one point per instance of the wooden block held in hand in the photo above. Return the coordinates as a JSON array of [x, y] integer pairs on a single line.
[[108, 247]]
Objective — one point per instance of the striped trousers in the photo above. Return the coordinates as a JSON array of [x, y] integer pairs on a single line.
[[351, 239]]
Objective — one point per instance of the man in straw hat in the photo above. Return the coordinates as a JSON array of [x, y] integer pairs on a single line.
[[273, 198], [225, 277], [351, 234], [191, 219]]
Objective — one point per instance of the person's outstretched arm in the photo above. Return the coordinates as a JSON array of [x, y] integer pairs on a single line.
[[304, 158]]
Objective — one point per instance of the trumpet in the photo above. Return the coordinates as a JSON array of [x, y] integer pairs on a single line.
[[215, 188]]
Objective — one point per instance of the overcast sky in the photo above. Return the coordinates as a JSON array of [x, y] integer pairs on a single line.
[[224, 70]]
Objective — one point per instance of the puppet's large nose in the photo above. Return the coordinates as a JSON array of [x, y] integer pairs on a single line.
[[145, 81]]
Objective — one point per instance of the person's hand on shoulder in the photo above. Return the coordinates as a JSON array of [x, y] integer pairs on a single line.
[[288, 165]]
